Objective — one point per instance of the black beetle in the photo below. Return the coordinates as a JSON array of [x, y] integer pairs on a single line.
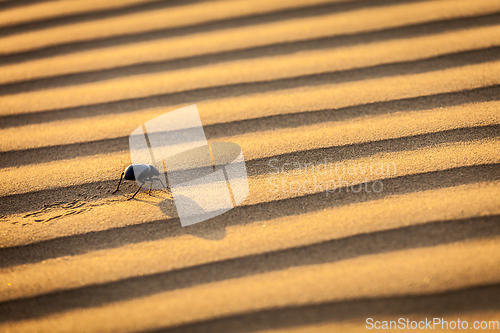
[[141, 173]]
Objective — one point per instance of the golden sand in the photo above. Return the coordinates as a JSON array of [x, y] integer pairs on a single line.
[[412, 86]]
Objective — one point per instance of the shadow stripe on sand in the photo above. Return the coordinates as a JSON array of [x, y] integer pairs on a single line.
[[25, 202], [425, 235], [241, 215], [269, 50], [121, 144], [453, 60], [89, 15], [17, 3], [224, 24], [458, 302], [22, 202]]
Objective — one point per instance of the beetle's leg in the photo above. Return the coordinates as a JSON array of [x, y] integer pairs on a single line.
[[121, 177], [161, 182], [136, 191], [150, 186]]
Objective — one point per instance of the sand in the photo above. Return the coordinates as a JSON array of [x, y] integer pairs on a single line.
[[400, 96]]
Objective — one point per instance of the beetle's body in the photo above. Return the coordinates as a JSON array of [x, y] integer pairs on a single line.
[[143, 172], [140, 173]]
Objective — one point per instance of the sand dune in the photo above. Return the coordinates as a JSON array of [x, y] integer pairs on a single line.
[[291, 66], [235, 39], [412, 86]]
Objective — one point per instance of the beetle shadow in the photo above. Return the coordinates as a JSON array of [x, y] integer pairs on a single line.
[[211, 229]]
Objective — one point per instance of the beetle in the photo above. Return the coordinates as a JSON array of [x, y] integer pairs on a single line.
[[141, 173]]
